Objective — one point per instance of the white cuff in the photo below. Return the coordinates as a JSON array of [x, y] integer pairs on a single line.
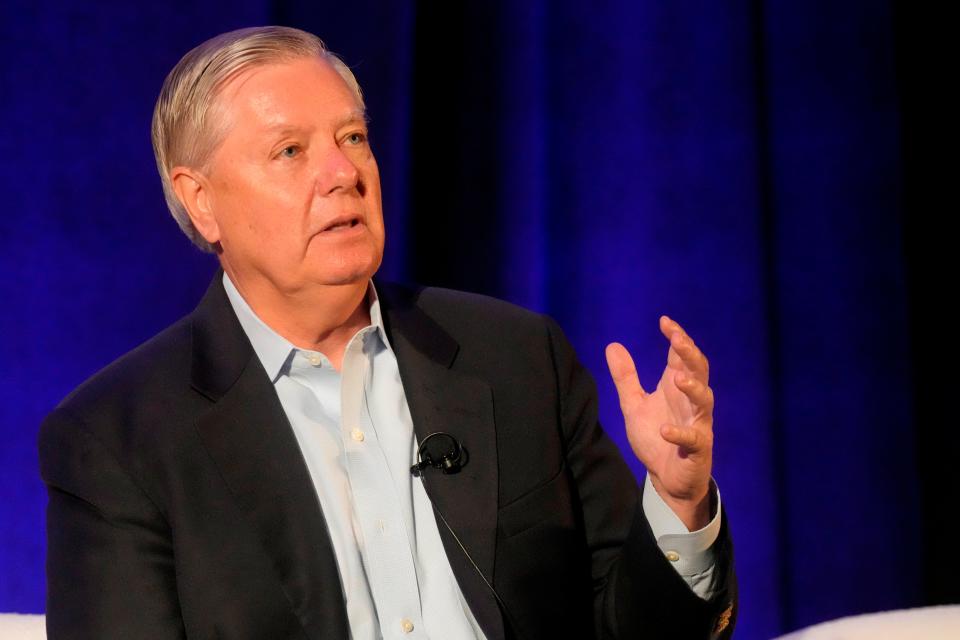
[[690, 553]]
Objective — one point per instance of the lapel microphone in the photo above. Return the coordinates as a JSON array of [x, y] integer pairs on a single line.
[[451, 459], [448, 460]]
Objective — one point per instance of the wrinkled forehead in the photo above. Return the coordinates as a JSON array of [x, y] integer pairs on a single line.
[[278, 91]]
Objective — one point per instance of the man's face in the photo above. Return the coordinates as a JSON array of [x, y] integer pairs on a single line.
[[294, 188]]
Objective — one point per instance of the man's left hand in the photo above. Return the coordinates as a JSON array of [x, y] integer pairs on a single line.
[[671, 429]]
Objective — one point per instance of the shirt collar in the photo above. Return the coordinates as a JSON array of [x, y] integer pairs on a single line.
[[273, 349]]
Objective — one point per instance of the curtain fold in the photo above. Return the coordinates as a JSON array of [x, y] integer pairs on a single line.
[[734, 165]]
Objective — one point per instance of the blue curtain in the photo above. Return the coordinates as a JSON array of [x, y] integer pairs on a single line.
[[735, 165]]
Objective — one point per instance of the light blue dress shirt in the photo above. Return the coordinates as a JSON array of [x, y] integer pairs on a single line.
[[356, 434]]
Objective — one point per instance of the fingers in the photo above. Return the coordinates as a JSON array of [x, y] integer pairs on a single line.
[[684, 352], [691, 441], [700, 395], [624, 372]]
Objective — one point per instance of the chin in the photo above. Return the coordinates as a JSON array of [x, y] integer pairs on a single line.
[[349, 271]]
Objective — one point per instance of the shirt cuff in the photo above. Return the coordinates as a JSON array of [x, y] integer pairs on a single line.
[[690, 553]]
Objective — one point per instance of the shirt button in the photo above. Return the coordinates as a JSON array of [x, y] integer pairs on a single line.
[[357, 435], [406, 626], [314, 358], [672, 556]]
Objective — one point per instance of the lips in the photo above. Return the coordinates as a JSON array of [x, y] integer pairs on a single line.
[[346, 221]]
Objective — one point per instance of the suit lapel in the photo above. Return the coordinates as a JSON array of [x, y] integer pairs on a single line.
[[252, 443], [250, 440], [443, 399]]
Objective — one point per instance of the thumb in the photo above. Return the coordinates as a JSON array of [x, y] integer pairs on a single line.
[[623, 371]]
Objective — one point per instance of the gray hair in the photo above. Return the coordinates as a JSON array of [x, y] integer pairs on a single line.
[[181, 133]]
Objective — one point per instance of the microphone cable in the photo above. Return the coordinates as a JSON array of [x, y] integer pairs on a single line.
[[450, 463]]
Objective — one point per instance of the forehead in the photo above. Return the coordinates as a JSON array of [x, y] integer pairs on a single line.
[[285, 92]]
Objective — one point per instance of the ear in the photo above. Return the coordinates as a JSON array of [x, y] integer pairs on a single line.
[[193, 191]]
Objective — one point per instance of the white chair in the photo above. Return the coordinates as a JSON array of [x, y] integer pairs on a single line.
[[17, 626], [926, 623]]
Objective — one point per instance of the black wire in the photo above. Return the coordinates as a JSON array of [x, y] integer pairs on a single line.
[[503, 605]]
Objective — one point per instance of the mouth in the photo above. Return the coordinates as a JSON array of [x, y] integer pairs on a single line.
[[343, 223]]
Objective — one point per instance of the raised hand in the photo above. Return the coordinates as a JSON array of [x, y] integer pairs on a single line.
[[671, 429]]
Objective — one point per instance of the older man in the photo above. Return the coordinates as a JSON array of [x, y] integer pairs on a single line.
[[247, 472]]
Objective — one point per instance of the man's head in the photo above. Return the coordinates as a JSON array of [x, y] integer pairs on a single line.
[[261, 144]]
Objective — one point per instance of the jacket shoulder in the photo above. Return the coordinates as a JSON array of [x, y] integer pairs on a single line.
[[462, 311], [157, 368]]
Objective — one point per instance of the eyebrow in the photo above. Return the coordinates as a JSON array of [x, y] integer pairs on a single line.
[[356, 115], [282, 129]]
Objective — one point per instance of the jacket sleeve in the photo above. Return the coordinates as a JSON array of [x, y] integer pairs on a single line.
[[637, 594], [110, 569]]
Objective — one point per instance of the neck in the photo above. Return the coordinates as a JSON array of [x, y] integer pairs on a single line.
[[319, 318]]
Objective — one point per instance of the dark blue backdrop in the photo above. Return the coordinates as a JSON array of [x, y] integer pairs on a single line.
[[736, 165]]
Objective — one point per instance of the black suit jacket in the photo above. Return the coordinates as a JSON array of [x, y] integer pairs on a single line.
[[180, 504]]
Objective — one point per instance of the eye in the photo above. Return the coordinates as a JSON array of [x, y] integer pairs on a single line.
[[290, 151], [355, 138]]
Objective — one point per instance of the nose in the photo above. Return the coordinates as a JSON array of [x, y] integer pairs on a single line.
[[339, 173]]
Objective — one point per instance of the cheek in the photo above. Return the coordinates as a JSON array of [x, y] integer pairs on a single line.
[[261, 213], [372, 182]]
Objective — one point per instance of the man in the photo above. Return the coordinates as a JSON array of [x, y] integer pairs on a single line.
[[247, 472]]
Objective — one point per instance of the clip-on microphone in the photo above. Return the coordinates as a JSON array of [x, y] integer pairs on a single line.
[[450, 462]]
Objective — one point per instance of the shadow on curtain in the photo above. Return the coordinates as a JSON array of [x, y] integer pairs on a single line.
[[737, 166]]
